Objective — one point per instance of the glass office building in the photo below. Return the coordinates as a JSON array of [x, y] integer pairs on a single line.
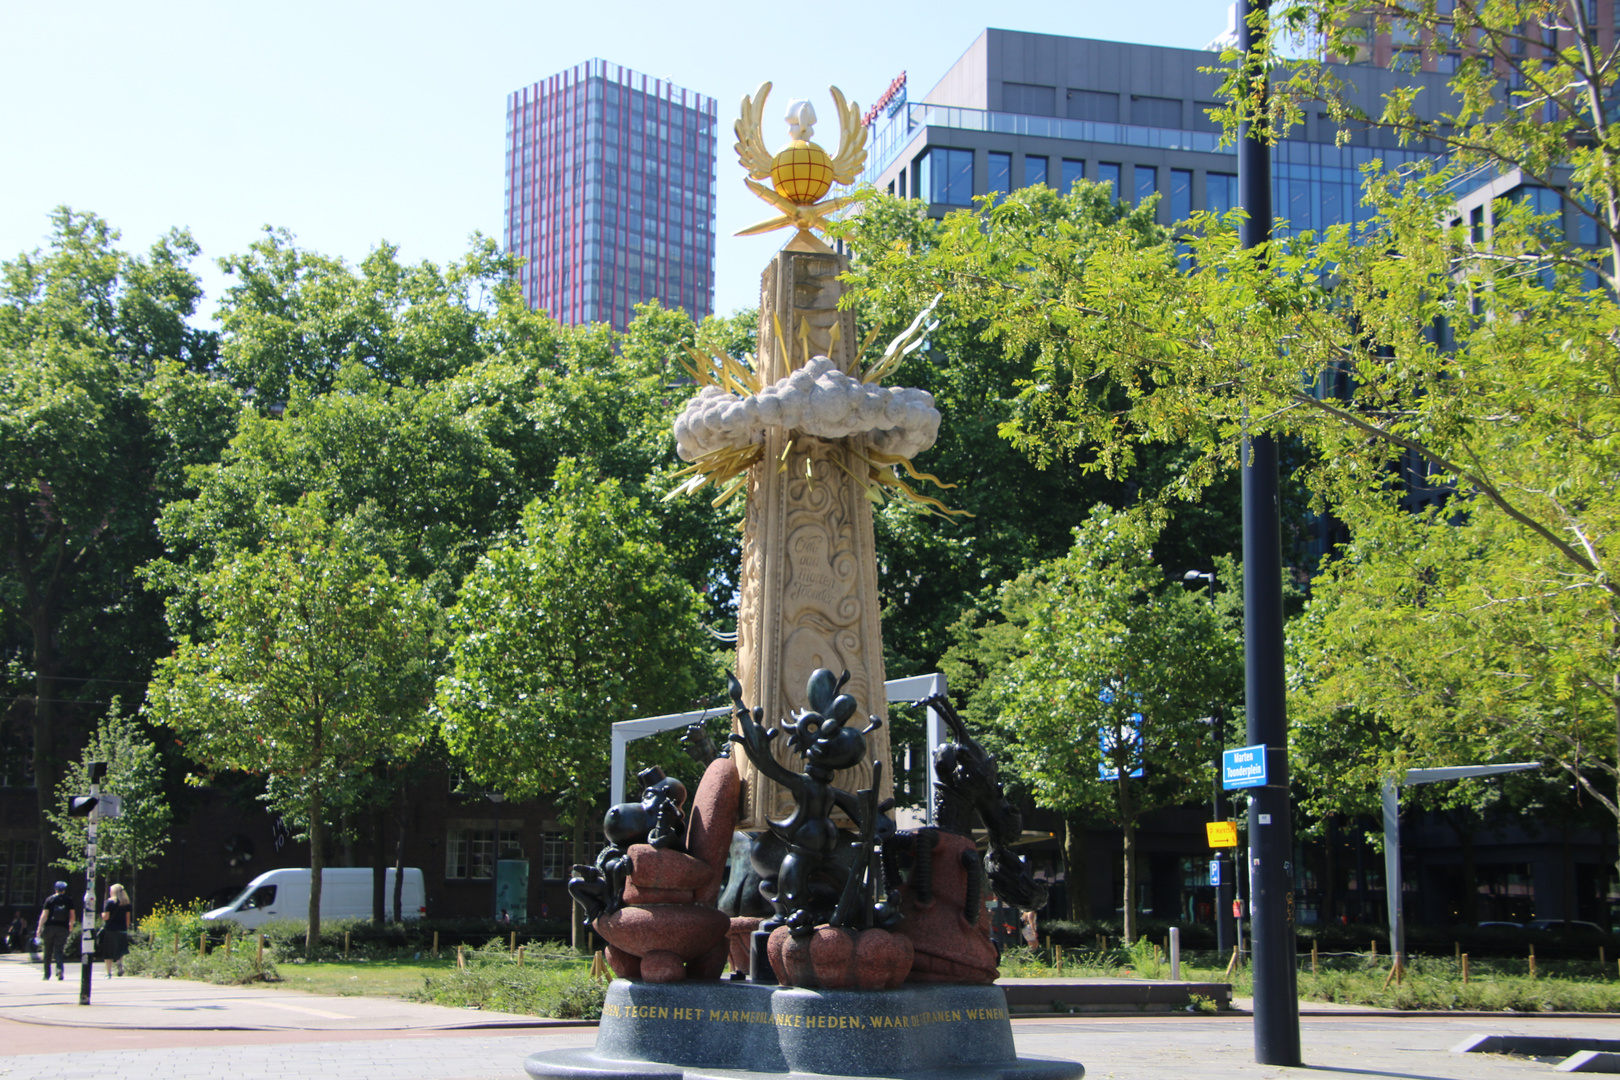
[[610, 183], [1020, 109]]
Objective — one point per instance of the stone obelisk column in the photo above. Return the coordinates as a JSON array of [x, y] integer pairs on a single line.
[[809, 594]]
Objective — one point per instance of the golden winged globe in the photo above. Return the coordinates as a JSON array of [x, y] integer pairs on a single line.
[[801, 173]]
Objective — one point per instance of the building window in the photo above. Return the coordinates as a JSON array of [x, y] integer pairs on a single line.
[[1180, 194], [1000, 173], [1147, 181], [1093, 105], [1073, 170], [21, 882], [554, 865], [947, 176], [1108, 173], [1202, 120], [469, 852], [1034, 170], [1159, 112], [1220, 191], [1028, 99], [1476, 225]]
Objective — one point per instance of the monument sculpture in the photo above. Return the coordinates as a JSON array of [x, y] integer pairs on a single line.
[[873, 956]]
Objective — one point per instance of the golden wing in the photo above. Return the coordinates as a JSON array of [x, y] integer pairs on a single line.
[[851, 140], [750, 142]]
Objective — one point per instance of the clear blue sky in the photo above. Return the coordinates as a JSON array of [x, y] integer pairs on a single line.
[[354, 122]]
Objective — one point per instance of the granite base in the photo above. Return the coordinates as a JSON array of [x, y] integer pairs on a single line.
[[730, 1030]]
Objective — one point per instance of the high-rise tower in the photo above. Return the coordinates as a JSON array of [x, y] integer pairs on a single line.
[[610, 179]]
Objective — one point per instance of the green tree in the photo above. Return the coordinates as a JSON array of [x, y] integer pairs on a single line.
[[315, 663], [129, 843], [1410, 363], [576, 622], [1103, 710], [102, 407], [1025, 507]]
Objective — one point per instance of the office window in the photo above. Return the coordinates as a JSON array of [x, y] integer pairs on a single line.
[[1034, 170], [1028, 99], [1180, 194], [1093, 105], [1000, 173], [1159, 112], [1202, 120], [1072, 170], [1108, 173], [1476, 225], [1220, 191], [947, 176], [23, 886], [469, 853], [554, 865], [1147, 181]]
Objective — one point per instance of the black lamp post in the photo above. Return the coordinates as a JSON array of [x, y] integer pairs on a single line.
[[1224, 870], [1271, 828]]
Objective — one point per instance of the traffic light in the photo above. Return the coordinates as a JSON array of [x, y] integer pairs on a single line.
[[81, 805]]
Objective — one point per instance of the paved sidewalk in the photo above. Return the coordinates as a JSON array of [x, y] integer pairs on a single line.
[[145, 1029], [176, 1004]]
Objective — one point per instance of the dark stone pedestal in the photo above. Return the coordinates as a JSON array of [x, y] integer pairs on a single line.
[[729, 1030]]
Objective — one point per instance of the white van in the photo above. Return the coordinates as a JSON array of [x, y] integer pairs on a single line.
[[345, 894]]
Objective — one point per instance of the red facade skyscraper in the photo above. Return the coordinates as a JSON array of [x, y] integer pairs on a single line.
[[610, 181]]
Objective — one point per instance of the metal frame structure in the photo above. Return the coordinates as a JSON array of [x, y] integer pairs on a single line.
[[626, 731]]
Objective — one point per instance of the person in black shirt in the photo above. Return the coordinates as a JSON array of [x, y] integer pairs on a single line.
[[57, 920], [114, 943]]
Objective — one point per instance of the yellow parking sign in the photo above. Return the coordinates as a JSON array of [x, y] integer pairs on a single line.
[[1221, 833]]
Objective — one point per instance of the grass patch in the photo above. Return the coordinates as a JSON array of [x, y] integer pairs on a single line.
[[396, 977], [1429, 982], [554, 984]]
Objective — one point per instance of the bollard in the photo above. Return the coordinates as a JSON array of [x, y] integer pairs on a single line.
[[227, 943], [1057, 955], [202, 943], [1175, 953], [511, 946], [1456, 949], [1313, 956], [1464, 959], [1374, 947], [1532, 961], [520, 954], [435, 944], [345, 944], [461, 959]]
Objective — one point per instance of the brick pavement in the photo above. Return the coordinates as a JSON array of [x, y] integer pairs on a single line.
[[329, 1037]]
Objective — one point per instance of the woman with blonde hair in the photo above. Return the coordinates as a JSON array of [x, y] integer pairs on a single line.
[[114, 941]]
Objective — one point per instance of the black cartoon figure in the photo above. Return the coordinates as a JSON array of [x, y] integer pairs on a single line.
[[799, 872], [657, 820]]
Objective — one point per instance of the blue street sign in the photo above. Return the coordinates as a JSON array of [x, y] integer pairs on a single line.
[[1214, 871], [1244, 767]]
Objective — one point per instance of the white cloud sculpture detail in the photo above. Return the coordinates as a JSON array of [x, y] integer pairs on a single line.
[[818, 400]]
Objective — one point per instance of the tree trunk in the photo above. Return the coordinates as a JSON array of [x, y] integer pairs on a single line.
[[1076, 873], [581, 936], [379, 866], [1330, 871], [399, 858], [317, 865], [1127, 817], [47, 765], [1470, 878]]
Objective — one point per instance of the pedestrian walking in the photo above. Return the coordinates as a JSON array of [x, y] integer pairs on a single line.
[[57, 919], [114, 941]]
